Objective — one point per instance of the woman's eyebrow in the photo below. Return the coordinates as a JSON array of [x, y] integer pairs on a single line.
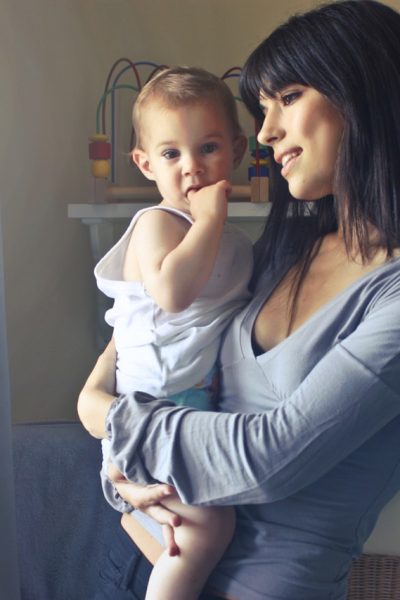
[[262, 104]]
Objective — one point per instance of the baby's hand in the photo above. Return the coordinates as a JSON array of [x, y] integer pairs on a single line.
[[210, 202]]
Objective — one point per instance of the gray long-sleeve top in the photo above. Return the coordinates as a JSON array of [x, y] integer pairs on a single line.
[[308, 450]]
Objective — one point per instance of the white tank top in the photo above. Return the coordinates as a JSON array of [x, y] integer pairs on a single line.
[[165, 353]]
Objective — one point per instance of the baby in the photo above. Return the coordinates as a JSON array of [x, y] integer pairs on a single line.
[[178, 275]]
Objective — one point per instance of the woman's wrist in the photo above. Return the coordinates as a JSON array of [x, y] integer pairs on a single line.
[[126, 424], [112, 407], [93, 408], [97, 394]]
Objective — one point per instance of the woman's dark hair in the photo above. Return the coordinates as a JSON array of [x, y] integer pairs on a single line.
[[350, 52]]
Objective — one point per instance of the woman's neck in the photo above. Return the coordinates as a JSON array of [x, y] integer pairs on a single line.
[[336, 243]]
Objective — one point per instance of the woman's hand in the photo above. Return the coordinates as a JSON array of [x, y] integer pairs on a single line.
[[94, 403], [148, 499], [98, 393]]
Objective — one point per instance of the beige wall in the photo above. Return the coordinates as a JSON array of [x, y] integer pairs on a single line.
[[54, 60], [54, 57]]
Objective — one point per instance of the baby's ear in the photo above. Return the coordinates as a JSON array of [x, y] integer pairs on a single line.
[[141, 160], [239, 148]]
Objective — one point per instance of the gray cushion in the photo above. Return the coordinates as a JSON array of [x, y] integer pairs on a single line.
[[64, 525]]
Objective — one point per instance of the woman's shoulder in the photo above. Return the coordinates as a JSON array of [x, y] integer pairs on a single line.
[[383, 284]]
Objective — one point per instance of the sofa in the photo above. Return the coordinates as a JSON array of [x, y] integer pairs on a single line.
[[64, 525]]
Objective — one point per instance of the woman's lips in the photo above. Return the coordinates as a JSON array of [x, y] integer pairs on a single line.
[[288, 160]]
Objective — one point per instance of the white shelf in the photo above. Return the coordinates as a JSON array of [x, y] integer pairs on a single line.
[[237, 211]]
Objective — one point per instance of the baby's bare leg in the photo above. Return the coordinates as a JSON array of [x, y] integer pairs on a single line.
[[202, 539]]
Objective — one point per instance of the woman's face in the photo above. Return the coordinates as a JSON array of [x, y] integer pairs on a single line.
[[304, 131]]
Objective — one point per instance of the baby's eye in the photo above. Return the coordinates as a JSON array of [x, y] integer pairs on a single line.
[[289, 98], [170, 154], [209, 147]]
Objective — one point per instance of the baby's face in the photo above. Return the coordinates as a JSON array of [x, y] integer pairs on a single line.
[[186, 147]]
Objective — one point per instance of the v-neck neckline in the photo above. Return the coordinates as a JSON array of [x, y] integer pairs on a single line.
[[316, 315]]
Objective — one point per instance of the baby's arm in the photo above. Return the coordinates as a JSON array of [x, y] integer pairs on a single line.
[[202, 539], [175, 263]]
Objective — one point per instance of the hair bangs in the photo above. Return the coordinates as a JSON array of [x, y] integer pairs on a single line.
[[269, 69]]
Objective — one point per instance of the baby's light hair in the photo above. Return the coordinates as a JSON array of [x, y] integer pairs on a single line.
[[179, 86]]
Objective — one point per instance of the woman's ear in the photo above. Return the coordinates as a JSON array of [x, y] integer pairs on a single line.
[[239, 148], [141, 160]]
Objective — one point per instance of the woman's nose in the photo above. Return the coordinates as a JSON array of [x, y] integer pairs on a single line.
[[271, 129]]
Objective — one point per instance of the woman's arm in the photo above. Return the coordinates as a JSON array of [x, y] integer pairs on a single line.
[[97, 394], [94, 403], [349, 396]]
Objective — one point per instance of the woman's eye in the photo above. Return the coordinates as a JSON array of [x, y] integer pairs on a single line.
[[170, 154], [209, 148], [289, 98]]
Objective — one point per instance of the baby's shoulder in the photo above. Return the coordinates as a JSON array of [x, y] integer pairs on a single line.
[[156, 218]]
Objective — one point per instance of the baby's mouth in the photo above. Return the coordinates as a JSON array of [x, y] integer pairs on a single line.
[[193, 188]]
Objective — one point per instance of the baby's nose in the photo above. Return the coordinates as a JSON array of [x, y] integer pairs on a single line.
[[192, 165]]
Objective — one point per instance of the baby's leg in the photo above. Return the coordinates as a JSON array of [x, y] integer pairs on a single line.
[[202, 539]]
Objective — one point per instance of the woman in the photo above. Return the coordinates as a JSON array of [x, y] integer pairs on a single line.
[[311, 368]]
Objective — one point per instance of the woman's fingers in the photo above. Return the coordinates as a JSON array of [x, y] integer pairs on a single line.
[[114, 474], [162, 515], [140, 496], [155, 493], [147, 499], [169, 539]]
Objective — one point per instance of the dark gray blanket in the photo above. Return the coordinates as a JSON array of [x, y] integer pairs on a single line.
[[64, 525]]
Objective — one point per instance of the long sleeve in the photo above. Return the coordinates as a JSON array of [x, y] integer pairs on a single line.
[[221, 458]]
